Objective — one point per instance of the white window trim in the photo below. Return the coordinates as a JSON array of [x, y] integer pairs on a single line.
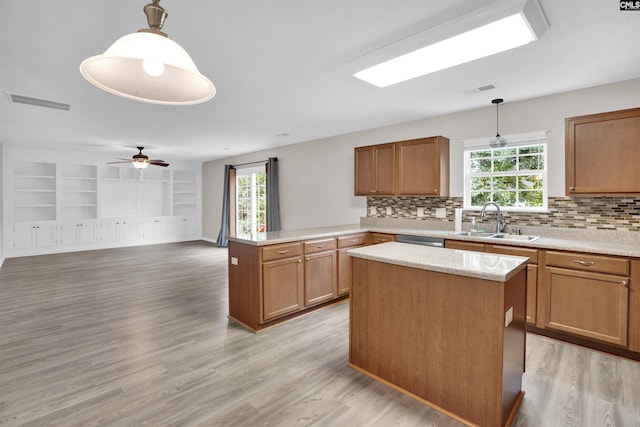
[[515, 140]]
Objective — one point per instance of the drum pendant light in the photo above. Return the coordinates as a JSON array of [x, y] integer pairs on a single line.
[[498, 141], [148, 66]]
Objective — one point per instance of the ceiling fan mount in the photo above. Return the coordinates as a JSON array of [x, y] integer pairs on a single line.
[[141, 161]]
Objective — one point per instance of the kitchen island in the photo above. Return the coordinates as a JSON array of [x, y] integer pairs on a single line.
[[446, 327]]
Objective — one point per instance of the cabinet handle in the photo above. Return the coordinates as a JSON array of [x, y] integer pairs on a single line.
[[299, 261], [572, 188], [320, 246], [352, 241], [435, 190], [584, 263], [283, 252], [625, 283]]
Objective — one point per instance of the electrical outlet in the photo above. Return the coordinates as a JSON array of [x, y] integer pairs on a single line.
[[508, 317], [441, 212], [372, 210], [420, 212], [234, 260], [388, 210]]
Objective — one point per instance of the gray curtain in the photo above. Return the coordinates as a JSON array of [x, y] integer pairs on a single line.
[[224, 223], [273, 196]]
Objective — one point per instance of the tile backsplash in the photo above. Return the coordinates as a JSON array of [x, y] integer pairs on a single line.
[[587, 213]]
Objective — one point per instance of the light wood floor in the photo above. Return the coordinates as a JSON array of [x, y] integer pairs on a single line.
[[139, 336]]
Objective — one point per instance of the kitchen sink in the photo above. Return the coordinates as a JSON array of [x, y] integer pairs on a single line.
[[516, 237], [473, 234], [520, 237]]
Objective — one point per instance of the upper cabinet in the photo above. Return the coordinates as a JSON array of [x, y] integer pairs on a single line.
[[423, 167], [375, 170], [418, 167], [602, 154]]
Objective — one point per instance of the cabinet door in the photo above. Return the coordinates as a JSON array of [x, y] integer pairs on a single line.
[[320, 281], [601, 153], [108, 231], [282, 287], [345, 270], [364, 177], [24, 236], [532, 293], [87, 233], [127, 230], [46, 235], [385, 167], [592, 305], [69, 234], [423, 166], [375, 170]]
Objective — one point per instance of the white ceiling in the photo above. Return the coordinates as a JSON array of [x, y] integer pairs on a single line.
[[279, 68]]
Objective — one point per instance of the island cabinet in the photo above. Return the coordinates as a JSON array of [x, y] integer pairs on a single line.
[[532, 267], [450, 341], [320, 271], [375, 170], [345, 243], [423, 166], [587, 295], [601, 153]]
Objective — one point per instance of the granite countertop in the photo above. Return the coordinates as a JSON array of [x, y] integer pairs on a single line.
[[481, 265], [607, 243]]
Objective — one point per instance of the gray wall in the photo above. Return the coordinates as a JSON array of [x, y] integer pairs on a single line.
[[316, 177]]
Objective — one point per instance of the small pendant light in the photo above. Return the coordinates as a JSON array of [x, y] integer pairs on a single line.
[[498, 141]]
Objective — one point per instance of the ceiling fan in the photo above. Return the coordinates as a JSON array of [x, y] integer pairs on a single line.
[[141, 161]]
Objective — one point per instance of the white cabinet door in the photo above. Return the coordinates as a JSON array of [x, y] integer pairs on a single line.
[[24, 236], [108, 231], [69, 234], [163, 228], [127, 230], [156, 228], [46, 235], [87, 233], [185, 227]]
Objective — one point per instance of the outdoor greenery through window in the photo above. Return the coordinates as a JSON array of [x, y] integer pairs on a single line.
[[513, 177], [251, 199]]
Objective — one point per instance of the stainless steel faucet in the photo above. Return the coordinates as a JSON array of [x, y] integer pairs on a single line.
[[500, 224]]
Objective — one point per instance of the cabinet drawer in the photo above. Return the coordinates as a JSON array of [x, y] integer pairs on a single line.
[[587, 262], [320, 245], [532, 254], [352, 240], [382, 238], [284, 250]]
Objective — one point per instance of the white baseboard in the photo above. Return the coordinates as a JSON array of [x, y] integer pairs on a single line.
[[1, 261], [206, 239]]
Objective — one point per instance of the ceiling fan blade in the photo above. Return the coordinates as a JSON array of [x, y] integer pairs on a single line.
[[127, 161], [156, 160], [158, 163], [122, 158]]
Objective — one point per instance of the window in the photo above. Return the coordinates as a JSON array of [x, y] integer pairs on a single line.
[[515, 176], [251, 198]]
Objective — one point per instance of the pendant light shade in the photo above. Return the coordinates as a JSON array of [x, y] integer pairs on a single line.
[[497, 141], [148, 66]]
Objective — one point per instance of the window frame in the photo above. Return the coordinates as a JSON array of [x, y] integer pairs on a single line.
[[517, 140]]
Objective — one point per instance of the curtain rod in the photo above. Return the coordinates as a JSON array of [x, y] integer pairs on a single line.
[[250, 163]]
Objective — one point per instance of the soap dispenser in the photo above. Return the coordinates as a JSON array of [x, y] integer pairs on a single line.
[[473, 224]]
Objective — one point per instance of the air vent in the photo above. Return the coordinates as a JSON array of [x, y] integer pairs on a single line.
[[480, 89], [21, 99]]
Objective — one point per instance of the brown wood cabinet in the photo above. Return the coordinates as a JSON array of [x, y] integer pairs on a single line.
[[601, 153], [532, 267], [587, 295], [344, 260], [381, 238], [320, 271], [423, 166], [375, 170], [282, 289]]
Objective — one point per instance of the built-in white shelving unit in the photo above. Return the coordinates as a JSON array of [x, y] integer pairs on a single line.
[[34, 197], [79, 192], [60, 202], [185, 193]]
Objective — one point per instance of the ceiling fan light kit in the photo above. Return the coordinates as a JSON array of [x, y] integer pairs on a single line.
[[148, 66], [141, 161]]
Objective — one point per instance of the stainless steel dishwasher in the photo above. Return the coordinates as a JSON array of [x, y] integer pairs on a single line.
[[435, 242]]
